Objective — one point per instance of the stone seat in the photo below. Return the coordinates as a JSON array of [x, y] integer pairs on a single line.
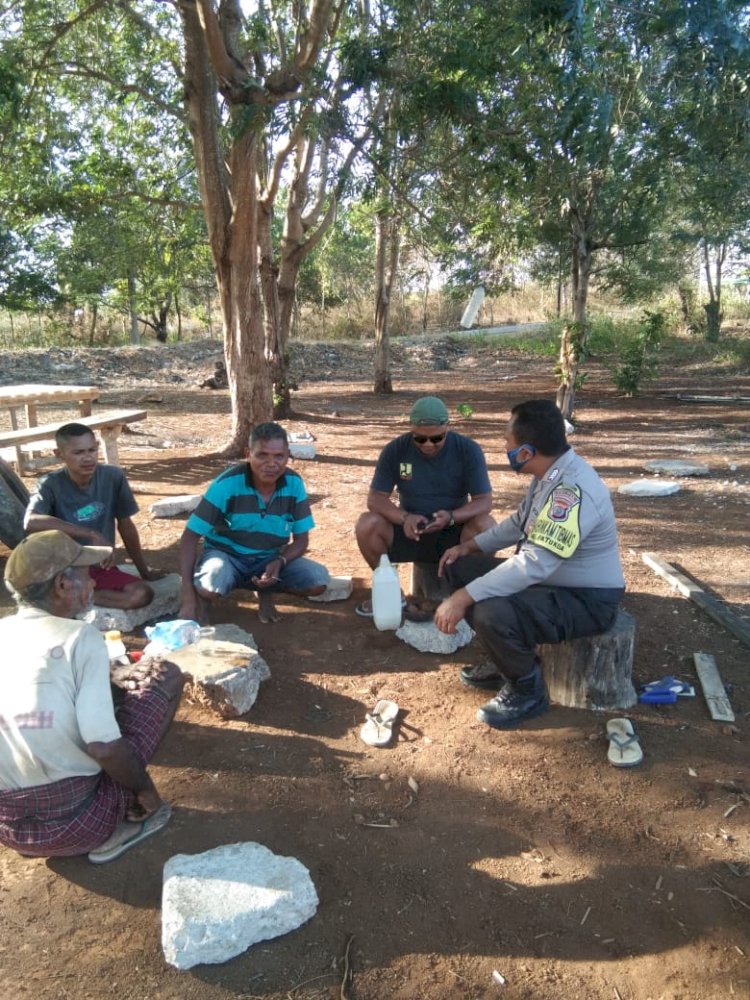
[[165, 605]]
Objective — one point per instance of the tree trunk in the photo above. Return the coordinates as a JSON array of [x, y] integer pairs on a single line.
[[230, 204], [275, 334], [714, 314], [574, 335], [92, 328], [387, 246], [133, 306], [160, 320]]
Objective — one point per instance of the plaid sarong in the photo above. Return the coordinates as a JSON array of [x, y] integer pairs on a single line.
[[75, 815]]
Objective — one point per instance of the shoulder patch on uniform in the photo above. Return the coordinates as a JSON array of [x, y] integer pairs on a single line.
[[557, 527]]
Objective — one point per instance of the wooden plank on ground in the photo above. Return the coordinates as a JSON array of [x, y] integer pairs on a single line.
[[684, 398], [713, 687], [689, 588]]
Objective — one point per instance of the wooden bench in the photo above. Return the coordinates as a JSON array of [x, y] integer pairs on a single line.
[[108, 423]]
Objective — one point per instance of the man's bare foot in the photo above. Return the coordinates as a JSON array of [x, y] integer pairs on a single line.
[[267, 608]]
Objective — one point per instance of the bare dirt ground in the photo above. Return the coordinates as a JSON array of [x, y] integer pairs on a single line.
[[525, 852]]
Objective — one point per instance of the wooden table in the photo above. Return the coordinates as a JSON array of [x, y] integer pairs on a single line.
[[30, 396]]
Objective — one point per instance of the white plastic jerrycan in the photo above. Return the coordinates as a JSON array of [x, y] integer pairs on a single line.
[[386, 596]]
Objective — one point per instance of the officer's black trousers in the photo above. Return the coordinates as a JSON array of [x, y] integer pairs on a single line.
[[511, 627]]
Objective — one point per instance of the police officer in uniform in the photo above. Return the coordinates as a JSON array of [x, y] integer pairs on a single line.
[[564, 580]]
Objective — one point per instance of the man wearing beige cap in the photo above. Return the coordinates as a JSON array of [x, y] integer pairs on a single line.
[[73, 776], [443, 490]]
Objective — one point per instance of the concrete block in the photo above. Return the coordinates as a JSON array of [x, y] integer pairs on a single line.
[[215, 905], [172, 506], [339, 588], [165, 605]]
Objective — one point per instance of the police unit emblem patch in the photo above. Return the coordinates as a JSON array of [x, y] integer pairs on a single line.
[[557, 527]]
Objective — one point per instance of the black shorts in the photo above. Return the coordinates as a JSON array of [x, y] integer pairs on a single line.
[[428, 549]]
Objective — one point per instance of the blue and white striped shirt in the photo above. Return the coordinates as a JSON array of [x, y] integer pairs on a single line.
[[234, 517]]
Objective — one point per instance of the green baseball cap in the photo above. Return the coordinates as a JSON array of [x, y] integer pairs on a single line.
[[429, 411]]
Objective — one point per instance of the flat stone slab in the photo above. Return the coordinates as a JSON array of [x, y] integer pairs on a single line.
[[233, 633], [677, 467], [224, 676], [339, 588], [301, 450], [427, 637], [165, 604], [650, 488], [172, 506], [215, 905]]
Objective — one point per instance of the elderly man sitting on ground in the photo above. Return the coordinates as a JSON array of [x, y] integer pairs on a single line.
[[73, 750]]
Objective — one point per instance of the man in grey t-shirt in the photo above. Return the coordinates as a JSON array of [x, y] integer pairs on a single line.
[[86, 499]]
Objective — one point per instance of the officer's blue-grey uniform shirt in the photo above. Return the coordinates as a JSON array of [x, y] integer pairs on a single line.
[[107, 498], [234, 517], [567, 533], [444, 481]]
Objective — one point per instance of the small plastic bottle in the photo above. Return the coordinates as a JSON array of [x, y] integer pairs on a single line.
[[116, 647], [386, 596]]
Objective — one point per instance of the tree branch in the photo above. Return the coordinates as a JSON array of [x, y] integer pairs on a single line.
[[87, 73]]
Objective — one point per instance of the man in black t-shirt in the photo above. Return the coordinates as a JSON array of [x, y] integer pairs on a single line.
[[443, 488]]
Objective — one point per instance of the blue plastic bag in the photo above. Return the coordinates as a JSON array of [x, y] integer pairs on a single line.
[[167, 636]]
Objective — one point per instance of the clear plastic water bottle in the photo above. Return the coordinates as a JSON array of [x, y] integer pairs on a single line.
[[386, 596]]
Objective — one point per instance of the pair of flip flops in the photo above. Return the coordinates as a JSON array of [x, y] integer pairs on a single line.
[[412, 611], [624, 748], [127, 835], [378, 728], [364, 609]]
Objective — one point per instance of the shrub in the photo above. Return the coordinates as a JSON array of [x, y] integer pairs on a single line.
[[637, 353]]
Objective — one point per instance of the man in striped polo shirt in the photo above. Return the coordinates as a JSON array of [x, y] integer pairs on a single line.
[[254, 520]]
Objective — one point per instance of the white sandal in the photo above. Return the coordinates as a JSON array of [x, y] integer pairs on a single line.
[[378, 729]]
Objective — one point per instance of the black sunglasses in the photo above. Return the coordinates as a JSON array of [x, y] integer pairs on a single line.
[[432, 438]]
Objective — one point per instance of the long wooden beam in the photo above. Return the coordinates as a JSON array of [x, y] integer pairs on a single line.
[[713, 607]]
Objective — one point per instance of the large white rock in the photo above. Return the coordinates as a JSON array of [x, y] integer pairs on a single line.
[[225, 676], [427, 637], [650, 488], [165, 604], [677, 467], [217, 904], [172, 506], [339, 588]]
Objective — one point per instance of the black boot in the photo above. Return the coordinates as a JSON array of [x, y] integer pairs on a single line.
[[518, 701]]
